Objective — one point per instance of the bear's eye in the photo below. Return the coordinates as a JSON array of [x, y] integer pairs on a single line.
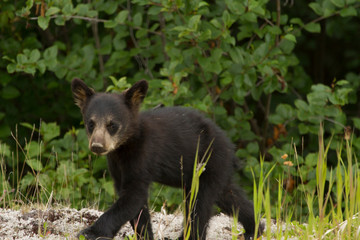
[[112, 128], [91, 126]]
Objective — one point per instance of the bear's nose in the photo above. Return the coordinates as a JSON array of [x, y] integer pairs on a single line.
[[97, 148]]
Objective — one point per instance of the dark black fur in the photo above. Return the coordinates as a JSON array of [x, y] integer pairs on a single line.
[[156, 141]]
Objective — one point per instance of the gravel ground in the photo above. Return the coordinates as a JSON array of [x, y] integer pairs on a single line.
[[64, 223]]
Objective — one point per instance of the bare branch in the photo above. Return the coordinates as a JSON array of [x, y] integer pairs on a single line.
[[97, 20], [278, 15], [162, 36], [142, 61]]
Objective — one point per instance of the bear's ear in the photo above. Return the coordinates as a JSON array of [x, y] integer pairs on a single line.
[[136, 94], [81, 92]]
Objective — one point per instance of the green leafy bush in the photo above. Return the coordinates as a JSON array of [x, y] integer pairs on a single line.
[[58, 170], [244, 64]]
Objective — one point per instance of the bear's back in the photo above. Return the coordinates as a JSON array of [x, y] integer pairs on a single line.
[[179, 132]]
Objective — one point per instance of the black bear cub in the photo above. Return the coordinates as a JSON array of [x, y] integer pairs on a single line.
[[158, 145]]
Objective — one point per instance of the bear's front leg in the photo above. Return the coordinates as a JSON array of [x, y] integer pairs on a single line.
[[91, 233], [104, 228], [131, 201]]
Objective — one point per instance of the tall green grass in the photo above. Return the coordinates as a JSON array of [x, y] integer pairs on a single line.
[[336, 217], [198, 169], [28, 176]]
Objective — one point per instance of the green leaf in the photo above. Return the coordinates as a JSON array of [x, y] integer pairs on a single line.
[[21, 58], [29, 126], [276, 119], [11, 68], [348, 12], [193, 22], [110, 24], [10, 92], [311, 159], [253, 148], [338, 3], [297, 21], [275, 30], [60, 71], [49, 131], [342, 83], [4, 149], [52, 11], [121, 17], [318, 99], [313, 27], [250, 17], [60, 20], [137, 19], [34, 149], [5, 132], [329, 8], [50, 52], [303, 128], [340, 97], [290, 37], [106, 45], [50, 57], [237, 55], [29, 3], [139, 34], [109, 188], [82, 9], [218, 110], [261, 51], [154, 10], [30, 70], [34, 164], [109, 7], [41, 66], [8, 59], [236, 7], [27, 180], [225, 81], [301, 105], [43, 22], [356, 121], [285, 111], [68, 9], [227, 19], [316, 8], [216, 23], [34, 55]]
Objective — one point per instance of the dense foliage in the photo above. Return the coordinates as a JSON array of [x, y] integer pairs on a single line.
[[268, 72]]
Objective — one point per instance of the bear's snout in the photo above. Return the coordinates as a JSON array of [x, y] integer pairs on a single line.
[[97, 148]]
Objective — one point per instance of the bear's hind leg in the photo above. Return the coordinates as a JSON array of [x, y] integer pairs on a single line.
[[202, 212], [142, 224], [233, 201]]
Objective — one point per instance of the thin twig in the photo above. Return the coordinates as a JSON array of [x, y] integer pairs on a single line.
[[257, 85], [266, 125], [254, 35], [205, 82], [94, 27], [75, 17], [278, 15], [253, 121], [89, 19], [162, 36], [325, 17], [142, 62]]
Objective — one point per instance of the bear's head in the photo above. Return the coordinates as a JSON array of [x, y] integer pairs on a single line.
[[110, 119]]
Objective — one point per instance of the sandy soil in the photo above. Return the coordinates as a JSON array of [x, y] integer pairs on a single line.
[[65, 223]]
